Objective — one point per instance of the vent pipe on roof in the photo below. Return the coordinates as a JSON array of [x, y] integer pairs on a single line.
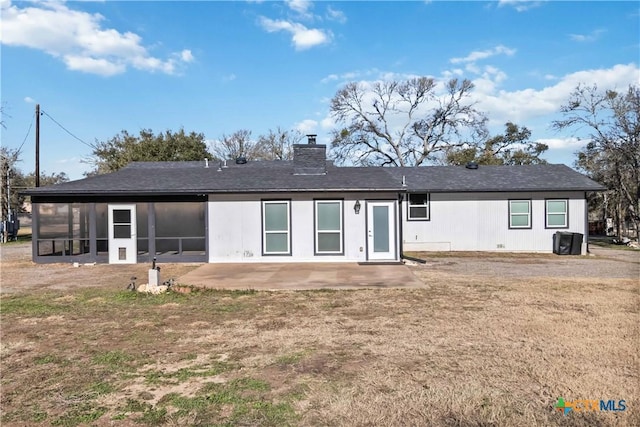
[[404, 181], [206, 162], [471, 165], [311, 139]]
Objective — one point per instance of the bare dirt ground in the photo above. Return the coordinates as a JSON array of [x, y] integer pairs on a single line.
[[488, 341], [19, 274]]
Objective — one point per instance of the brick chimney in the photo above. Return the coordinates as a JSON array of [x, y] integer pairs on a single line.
[[310, 158]]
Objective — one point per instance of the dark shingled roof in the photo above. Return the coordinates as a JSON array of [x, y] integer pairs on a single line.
[[494, 178], [170, 178]]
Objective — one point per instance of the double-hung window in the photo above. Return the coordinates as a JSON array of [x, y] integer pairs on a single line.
[[557, 213], [519, 213], [328, 227], [276, 227], [418, 207]]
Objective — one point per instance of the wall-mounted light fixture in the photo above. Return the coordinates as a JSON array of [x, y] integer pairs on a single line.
[[356, 207]]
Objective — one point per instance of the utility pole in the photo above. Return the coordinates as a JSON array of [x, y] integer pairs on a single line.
[[37, 145]]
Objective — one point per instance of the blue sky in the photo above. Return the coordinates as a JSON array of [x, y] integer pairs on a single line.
[[216, 67]]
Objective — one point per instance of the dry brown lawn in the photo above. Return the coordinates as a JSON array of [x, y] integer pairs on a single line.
[[467, 350]]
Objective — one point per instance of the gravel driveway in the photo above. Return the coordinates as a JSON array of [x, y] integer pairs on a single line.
[[602, 262]]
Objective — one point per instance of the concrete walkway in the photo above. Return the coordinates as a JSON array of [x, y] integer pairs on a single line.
[[300, 276]]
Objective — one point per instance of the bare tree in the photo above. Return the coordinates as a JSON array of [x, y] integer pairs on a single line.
[[278, 144], [404, 123], [236, 145], [9, 197], [612, 156]]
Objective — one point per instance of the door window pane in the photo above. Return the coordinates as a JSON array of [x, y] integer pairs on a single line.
[[122, 216], [381, 229], [122, 231]]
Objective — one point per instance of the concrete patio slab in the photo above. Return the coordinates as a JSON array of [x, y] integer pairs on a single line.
[[300, 276]]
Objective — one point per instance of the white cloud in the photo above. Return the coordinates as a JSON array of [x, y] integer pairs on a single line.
[[564, 143], [328, 123], [300, 6], [593, 36], [522, 105], [302, 37], [186, 55], [484, 54], [100, 66], [80, 41], [306, 126], [520, 5], [336, 15], [371, 74], [29, 100]]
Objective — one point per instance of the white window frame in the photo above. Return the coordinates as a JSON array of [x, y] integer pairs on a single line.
[[426, 205], [528, 214], [265, 232], [565, 213], [318, 232]]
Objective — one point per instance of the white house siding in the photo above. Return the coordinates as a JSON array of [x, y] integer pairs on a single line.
[[235, 227], [480, 222]]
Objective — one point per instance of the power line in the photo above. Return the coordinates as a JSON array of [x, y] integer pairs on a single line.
[[28, 132], [66, 130]]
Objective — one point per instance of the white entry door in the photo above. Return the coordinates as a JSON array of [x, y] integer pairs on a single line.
[[122, 234], [381, 236]]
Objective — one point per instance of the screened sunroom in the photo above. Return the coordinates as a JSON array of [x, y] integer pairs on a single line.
[[122, 230]]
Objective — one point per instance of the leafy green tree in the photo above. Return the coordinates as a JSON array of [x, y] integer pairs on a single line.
[[403, 123], [612, 155], [514, 147], [124, 148]]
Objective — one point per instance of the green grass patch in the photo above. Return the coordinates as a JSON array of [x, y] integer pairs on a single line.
[[133, 405], [154, 416], [183, 374], [83, 413], [114, 360], [291, 359], [40, 305], [46, 359], [243, 401], [101, 388]]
